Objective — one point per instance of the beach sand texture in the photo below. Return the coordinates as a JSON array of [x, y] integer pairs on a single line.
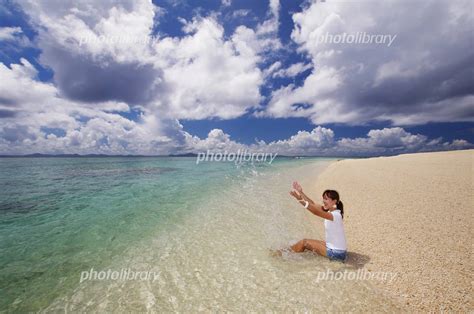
[[411, 214]]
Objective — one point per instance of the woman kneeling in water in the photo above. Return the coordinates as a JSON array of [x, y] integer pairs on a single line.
[[332, 211]]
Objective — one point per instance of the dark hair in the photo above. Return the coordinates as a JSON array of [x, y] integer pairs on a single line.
[[335, 196]]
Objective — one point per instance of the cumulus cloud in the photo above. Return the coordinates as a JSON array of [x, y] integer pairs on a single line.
[[30, 112], [106, 63], [216, 140], [387, 141], [87, 47], [263, 40], [426, 75], [323, 142], [106, 52], [318, 141], [35, 118], [98, 71], [207, 75]]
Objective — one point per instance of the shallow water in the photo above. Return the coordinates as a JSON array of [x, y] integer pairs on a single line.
[[204, 230]]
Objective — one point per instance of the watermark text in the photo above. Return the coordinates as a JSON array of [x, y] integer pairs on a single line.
[[360, 38], [238, 157], [360, 274], [123, 274]]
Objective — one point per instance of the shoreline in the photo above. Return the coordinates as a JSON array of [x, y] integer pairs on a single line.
[[228, 267], [399, 215]]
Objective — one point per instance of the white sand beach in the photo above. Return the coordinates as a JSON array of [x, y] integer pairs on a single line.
[[411, 214]]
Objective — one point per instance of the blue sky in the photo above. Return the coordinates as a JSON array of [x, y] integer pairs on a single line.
[[332, 78]]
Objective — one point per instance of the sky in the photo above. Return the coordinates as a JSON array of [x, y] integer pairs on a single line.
[[313, 78]]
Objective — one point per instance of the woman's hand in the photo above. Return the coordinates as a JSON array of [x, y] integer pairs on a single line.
[[297, 187], [296, 195]]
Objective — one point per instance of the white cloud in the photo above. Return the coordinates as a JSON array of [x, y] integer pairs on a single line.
[[322, 142], [394, 137], [216, 140], [94, 129], [318, 84], [18, 88], [317, 141], [28, 107], [98, 71], [267, 31], [207, 75], [411, 82], [293, 70], [386, 141], [14, 36], [271, 69], [201, 75], [240, 13], [264, 39], [95, 31], [275, 9], [226, 3], [9, 33]]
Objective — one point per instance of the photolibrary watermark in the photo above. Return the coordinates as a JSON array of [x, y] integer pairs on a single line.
[[238, 157], [358, 38], [123, 274], [349, 275], [117, 39]]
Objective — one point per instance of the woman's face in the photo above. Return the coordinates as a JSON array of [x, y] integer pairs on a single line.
[[328, 202]]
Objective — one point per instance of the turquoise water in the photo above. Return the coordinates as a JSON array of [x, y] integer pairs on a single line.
[[61, 216], [205, 229]]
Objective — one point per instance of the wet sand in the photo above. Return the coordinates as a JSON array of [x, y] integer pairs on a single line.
[[410, 214]]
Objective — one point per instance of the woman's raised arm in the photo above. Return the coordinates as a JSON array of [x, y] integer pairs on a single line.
[[299, 189], [312, 207]]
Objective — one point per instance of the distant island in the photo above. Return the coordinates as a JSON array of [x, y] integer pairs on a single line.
[[130, 155]]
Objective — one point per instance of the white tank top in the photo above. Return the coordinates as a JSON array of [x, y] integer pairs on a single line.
[[335, 236]]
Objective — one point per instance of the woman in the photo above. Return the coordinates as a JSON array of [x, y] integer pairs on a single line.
[[332, 211]]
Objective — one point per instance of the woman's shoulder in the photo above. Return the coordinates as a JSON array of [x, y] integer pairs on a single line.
[[336, 212]]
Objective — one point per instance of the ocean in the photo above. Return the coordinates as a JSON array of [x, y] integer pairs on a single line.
[[164, 234]]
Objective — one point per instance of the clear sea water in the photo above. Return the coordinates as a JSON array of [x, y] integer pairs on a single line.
[[206, 229]]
